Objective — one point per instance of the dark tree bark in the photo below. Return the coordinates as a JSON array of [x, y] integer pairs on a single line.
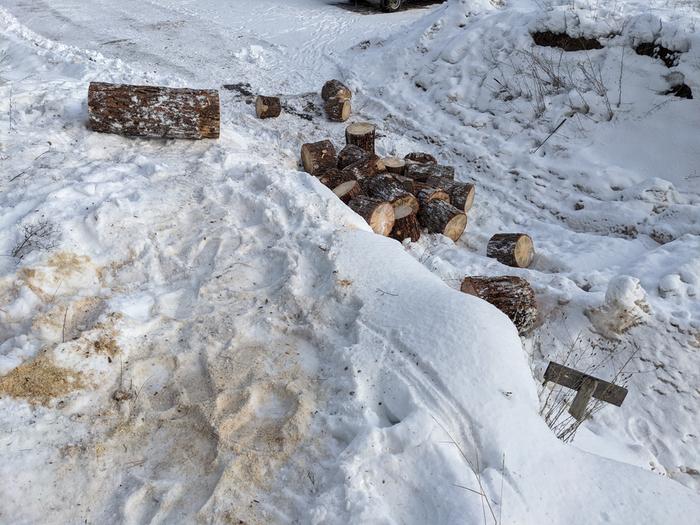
[[368, 167], [361, 134], [422, 172], [438, 216], [378, 214], [512, 249], [338, 109], [335, 89], [318, 155], [333, 177], [419, 157], [268, 107], [406, 225], [350, 155], [461, 193], [386, 188]]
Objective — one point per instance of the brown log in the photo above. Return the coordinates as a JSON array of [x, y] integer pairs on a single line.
[[268, 107], [333, 177], [335, 89], [408, 184], [461, 193], [394, 165], [512, 249], [348, 190], [385, 187], [151, 111], [350, 155], [406, 225], [422, 172], [337, 109], [420, 158], [438, 216], [318, 155], [511, 295], [367, 167], [378, 214], [427, 194], [361, 134]]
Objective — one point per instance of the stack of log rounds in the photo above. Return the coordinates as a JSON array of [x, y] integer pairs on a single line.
[[361, 134], [512, 249], [351, 154], [394, 165], [385, 187], [378, 214], [511, 295], [438, 216], [267, 107], [419, 157], [406, 225], [335, 89], [316, 156], [422, 172]]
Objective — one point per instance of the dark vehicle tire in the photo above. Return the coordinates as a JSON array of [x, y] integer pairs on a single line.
[[391, 6]]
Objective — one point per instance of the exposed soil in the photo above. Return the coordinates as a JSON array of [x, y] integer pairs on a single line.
[[565, 42], [654, 50], [681, 91]]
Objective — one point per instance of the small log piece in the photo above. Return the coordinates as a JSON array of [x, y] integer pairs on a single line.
[[406, 225], [422, 172], [367, 167], [155, 112], [318, 155], [511, 295], [337, 109], [268, 107], [427, 194], [361, 134], [348, 190], [394, 165], [378, 214], [335, 89], [350, 155], [333, 177], [461, 193], [438, 216], [385, 187], [512, 249], [419, 157]]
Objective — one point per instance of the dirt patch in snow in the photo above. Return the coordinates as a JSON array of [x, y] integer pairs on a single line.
[[565, 42], [654, 50]]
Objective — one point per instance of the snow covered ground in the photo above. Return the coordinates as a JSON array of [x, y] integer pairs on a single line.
[[208, 335]]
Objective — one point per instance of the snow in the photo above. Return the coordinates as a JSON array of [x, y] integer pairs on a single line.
[[246, 349]]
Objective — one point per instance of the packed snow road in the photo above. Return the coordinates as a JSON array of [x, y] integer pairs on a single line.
[[208, 335]]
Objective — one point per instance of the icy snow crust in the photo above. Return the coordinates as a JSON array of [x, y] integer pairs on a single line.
[[245, 348]]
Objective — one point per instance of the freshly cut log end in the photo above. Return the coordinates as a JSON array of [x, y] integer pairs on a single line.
[[338, 109], [511, 295], [394, 165], [350, 155], [365, 168], [361, 134], [348, 190], [420, 158], [423, 172], [387, 188], [406, 225], [335, 89], [267, 107], [513, 249], [154, 112], [438, 216], [318, 155], [378, 214], [333, 177]]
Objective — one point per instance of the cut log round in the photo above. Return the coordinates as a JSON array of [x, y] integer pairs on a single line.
[[337, 109], [348, 190], [378, 214], [394, 165], [350, 155], [511, 295], [406, 225], [512, 249], [420, 158], [367, 167], [461, 193], [361, 134], [333, 177], [268, 107], [438, 216], [335, 89], [422, 172], [408, 184], [427, 194], [385, 187], [318, 155], [151, 111]]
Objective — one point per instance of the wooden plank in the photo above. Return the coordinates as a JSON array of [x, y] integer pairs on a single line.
[[583, 396], [570, 378]]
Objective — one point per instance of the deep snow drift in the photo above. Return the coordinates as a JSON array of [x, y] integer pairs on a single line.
[[208, 335]]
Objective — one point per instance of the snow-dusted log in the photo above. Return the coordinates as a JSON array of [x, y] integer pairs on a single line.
[[511, 295], [267, 107], [333, 177], [394, 165], [364, 168], [361, 134], [348, 190], [385, 187], [335, 89], [318, 155], [378, 214], [419, 157], [461, 193], [512, 249], [427, 194], [351, 154], [406, 225], [422, 172], [438, 216], [152, 111], [338, 109]]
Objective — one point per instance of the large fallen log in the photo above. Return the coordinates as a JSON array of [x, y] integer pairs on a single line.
[[267, 107], [337, 109], [351, 154], [461, 193], [361, 134], [385, 187], [438, 216], [406, 225], [152, 111], [422, 172], [512, 249], [316, 156], [511, 295], [378, 214], [335, 89]]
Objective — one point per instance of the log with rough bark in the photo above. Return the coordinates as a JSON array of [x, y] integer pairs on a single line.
[[378, 214], [316, 156], [350, 155], [512, 249], [367, 167], [151, 111], [511, 295], [422, 172], [427, 194], [394, 165], [348, 190], [337, 109], [361, 134], [335, 89], [385, 187], [333, 177], [438, 216], [268, 107], [419, 157], [406, 225], [461, 193]]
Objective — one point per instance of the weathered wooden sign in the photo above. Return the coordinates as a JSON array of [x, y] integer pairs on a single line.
[[586, 386]]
